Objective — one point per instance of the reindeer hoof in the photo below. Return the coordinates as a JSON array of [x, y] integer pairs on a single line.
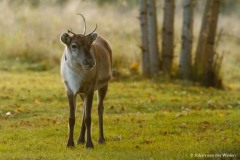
[[89, 145], [70, 144], [101, 141], [81, 141]]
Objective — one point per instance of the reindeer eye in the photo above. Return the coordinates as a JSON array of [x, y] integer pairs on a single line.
[[74, 46]]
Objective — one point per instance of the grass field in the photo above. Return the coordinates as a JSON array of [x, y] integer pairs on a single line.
[[144, 119]]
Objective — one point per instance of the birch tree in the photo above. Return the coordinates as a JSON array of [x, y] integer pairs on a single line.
[[144, 37], [202, 41], [168, 35], [185, 63], [210, 77], [152, 37], [204, 60]]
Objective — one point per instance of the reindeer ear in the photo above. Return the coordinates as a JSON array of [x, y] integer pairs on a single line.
[[65, 38], [92, 37]]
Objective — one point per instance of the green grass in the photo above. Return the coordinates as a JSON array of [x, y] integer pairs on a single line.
[[144, 119]]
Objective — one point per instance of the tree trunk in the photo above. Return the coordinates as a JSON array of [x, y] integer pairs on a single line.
[[199, 65], [144, 37], [185, 63], [168, 35], [152, 37], [204, 60], [210, 74]]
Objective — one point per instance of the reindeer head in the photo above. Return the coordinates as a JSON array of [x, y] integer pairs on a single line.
[[78, 47]]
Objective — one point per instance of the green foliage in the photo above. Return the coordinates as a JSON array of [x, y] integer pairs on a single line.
[[230, 6], [143, 119]]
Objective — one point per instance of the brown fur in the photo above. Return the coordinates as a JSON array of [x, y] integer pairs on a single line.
[[86, 66]]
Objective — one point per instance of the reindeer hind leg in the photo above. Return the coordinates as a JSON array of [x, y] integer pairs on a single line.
[[101, 95]]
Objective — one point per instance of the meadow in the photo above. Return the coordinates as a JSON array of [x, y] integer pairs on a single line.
[[143, 119], [161, 118]]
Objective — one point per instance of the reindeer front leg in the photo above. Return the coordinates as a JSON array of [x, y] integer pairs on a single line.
[[81, 139], [71, 120], [88, 108]]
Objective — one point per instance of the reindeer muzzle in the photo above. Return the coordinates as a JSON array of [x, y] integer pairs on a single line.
[[89, 63]]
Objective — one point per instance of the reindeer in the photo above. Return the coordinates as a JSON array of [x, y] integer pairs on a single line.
[[86, 66]]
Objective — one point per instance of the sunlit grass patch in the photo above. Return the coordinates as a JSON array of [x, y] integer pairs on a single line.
[[143, 119]]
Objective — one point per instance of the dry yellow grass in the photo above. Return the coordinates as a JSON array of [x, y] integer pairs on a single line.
[[32, 34]]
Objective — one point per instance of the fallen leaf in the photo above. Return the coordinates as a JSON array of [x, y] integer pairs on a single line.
[[174, 100], [184, 125], [179, 115], [116, 138], [221, 115], [37, 101], [112, 107], [9, 114], [122, 108], [148, 141]]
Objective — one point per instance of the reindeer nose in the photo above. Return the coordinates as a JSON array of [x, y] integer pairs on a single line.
[[88, 63]]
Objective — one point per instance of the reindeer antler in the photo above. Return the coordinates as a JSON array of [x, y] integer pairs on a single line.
[[85, 26], [70, 31], [93, 30]]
